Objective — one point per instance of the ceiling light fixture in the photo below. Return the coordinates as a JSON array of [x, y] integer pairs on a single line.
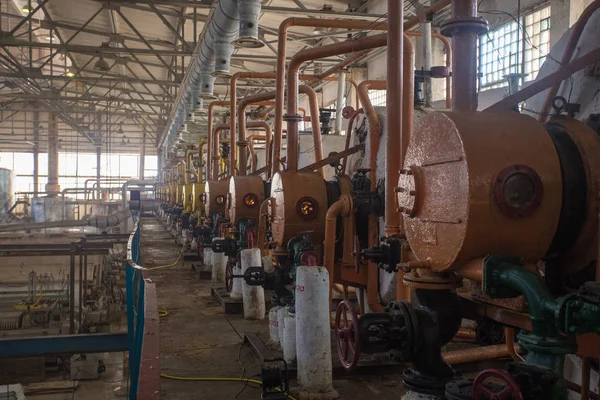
[[101, 65], [26, 10], [70, 73]]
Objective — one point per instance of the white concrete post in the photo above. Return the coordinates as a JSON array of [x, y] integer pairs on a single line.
[[253, 296]]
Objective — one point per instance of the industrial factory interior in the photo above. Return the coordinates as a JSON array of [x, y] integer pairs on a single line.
[[300, 199]]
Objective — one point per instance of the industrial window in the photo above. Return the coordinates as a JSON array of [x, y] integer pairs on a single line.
[[501, 50], [378, 97]]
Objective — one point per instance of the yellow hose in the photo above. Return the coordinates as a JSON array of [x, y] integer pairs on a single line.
[[168, 265], [162, 313], [244, 380]]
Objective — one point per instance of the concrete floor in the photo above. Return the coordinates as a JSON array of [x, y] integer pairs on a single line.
[[198, 340]]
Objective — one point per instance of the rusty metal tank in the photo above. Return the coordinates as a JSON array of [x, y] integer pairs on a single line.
[[246, 193], [300, 204], [216, 197], [475, 184]]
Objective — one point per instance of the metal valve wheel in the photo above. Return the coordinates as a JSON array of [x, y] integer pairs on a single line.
[[347, 335], [229, 275], [509, 388]]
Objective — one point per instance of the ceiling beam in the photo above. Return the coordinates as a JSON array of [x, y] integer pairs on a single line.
[[273, 9], [112, 78], [75, 48], [90, 98]]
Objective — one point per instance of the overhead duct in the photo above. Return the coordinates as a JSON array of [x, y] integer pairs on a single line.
[[223, 52], [215, 50], [249, 11]]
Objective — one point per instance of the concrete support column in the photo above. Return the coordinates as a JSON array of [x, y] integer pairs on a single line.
[[52, 185], [563, 15], [159, 156], [142, 156], [36, 151]]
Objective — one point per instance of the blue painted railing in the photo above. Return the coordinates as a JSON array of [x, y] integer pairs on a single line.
[[144, 363]]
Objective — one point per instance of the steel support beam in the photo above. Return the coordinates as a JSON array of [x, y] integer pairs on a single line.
[[65, 344], [76, 48]]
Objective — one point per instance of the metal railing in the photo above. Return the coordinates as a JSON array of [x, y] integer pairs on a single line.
[[142, 324]]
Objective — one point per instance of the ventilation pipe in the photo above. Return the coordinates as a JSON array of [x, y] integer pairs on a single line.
[[214, 56]]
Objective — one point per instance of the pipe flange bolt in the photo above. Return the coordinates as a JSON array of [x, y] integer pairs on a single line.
[[293, 117]]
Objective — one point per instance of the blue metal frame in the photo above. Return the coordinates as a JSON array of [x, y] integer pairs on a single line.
[[66, 344]]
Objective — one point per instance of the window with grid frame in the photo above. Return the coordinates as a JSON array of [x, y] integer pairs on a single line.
[[378, 98], [501, 50]]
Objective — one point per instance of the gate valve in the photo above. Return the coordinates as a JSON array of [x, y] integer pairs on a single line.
[[507, 391], [387, 254], [347, 335], [253, 276], [228, 246]]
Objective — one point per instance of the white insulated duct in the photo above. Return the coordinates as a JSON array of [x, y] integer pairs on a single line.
[[231, 18]]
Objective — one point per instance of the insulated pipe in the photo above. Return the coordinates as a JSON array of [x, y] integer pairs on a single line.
[[341, 93], [427, 60], [394, 97], [349, 137], [568, 54], [209, 144], [215, 152], [52, 185], [261, 75], [292, 116]]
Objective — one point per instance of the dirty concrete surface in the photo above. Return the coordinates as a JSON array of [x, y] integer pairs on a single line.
[[198, 340]]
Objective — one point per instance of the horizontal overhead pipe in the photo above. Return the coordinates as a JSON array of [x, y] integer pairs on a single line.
[[101, 221]]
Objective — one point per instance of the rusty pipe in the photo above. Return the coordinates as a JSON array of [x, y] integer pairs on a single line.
[[280, 66], [546, 82], [568, 54], [394, 100], [209, 144], [349, 136], [267, 138], [314, 123], [464, 27], [297, 60], [215, 158], [251, 140], [476, 354], [509, 334], [448, 49]]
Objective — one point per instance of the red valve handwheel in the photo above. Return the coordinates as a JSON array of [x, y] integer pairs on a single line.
[[347, 335], [510, 390]]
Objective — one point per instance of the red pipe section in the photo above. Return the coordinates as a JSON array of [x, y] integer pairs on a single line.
[[568, 54], [251, 139]]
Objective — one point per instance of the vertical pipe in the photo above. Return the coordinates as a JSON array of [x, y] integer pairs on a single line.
[[72, 291], [395, 45], [341, 92], [465, 28], [98, 168], [36, 151], [143, 156], [52, 185], [315, 123], [85, 268], [585, 378], [80, 294], [427, 60]]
